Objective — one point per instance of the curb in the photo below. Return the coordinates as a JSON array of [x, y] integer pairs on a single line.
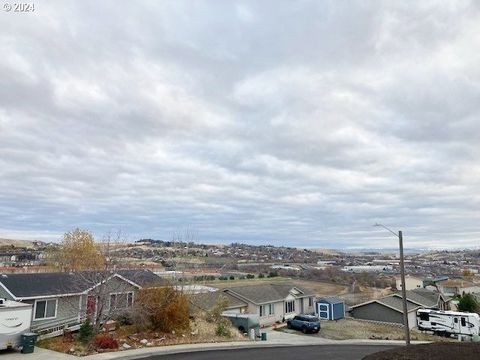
[[155, 351]]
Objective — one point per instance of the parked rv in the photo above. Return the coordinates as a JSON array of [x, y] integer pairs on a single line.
[[15, 320], [446, 323]]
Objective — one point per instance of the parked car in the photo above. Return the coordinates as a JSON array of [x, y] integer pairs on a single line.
[[305, 323]]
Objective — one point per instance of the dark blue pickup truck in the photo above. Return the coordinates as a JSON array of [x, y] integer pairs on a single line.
[[305, 323]]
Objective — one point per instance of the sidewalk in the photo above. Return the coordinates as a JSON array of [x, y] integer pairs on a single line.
[[274, 338]]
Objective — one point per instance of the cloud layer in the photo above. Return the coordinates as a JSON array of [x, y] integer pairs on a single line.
[[296, 123]]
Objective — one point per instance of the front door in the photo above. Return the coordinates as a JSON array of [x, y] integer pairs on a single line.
[[91, 307]]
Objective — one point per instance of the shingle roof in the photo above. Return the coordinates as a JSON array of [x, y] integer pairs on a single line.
[[144, 277], [331, 299], [424, 297], [456, 283], [264, 293], [26, 285], [207, 301], [396, 303]]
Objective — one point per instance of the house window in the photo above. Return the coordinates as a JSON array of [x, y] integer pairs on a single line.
[[113, 301], [121, 300], [290, 306], [310, 301], [45, 309], [266, 310]]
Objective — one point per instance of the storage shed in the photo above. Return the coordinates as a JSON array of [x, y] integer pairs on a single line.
[[330, 308]]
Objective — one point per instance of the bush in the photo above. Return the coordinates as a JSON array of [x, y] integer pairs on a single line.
[[468, 303], [261, 276], [162, 309], [124, 319], [105, 341], [272, 274], [215, 314], [223, 278], [222, 329], [232, 277], [85, 333], [250, 276]]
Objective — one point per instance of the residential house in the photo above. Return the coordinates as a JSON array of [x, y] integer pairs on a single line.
[[65, 299], [427, 299], [207, 301], [390, 308], [274, 302], [411, 282], [453, 287]]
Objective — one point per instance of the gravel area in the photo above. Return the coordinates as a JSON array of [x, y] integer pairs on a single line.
[[347, 329]]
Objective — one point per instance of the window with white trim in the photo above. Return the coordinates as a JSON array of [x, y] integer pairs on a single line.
[[130, 299], [271, 309], [113, 301], [45, 309], [289, 306], [310, 301], [121, 300], [266, 310]]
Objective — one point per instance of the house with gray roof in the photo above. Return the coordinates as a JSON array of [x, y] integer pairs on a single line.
[[274, 302], [390, 308], [208, 301], [66, 299]]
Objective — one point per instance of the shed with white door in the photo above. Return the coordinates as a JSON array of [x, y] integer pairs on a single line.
[[330, 308]]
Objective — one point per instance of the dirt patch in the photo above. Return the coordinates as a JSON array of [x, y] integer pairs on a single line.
[[128, 337], [439, 351], [353, 329]]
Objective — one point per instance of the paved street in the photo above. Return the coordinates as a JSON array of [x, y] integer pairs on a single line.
[[328, 352]]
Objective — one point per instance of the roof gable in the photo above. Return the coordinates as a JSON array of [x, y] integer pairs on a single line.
[[266, 293]]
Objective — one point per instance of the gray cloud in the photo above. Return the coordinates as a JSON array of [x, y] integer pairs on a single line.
[[266, 122]]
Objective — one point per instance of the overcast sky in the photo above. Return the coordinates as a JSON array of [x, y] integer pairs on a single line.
[[296, 123]]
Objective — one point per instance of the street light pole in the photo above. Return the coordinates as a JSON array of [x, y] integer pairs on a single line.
[[404, 290]]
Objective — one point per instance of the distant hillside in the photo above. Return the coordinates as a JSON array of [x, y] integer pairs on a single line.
[[17, 243]]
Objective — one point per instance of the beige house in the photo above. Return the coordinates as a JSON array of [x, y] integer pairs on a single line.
[[411, 282], [273, 302], [452, 287]]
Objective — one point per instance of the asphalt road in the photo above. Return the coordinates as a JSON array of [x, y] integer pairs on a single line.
[[317, 352]]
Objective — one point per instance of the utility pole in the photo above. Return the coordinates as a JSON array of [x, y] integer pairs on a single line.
[[404, 290], [402, 275]]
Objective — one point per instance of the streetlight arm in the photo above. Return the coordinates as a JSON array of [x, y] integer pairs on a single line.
[[386, 228]]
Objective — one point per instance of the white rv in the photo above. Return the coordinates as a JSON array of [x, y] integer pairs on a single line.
[[448, 322], [15, 320]]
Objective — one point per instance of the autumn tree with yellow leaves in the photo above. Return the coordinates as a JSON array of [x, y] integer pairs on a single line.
[[78, 251]]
